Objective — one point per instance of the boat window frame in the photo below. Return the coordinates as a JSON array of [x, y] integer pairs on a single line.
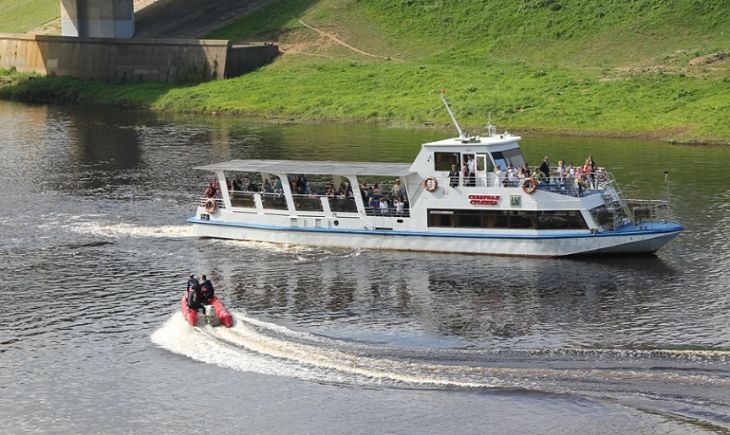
[[438, 164], [501, 219]]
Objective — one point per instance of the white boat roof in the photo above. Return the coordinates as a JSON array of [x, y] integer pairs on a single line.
[[312, 167], [497, 139]]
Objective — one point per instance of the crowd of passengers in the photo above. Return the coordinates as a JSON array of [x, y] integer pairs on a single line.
[[385, 202], [392, 202], [582, 177]]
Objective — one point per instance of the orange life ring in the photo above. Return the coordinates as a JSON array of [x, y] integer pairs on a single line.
[[210, 205], [529, 185], [430, 184]]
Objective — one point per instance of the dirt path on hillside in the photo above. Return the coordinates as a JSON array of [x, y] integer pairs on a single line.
[[339, 41]]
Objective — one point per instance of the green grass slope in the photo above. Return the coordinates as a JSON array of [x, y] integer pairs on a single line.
[[22, 15], [619, 67]]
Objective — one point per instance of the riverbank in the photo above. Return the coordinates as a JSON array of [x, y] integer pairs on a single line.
[[663, 107], [558, 67]]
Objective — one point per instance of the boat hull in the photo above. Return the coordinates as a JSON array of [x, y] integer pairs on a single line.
[[629, 240], [192, 316]]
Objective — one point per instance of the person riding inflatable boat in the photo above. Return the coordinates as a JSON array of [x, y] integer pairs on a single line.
[[202, 297]]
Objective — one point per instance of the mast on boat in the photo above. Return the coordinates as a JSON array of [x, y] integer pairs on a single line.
[[453, 118]]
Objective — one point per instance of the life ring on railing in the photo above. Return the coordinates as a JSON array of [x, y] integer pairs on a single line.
[[210, 205], [529, 185], [430, 184]]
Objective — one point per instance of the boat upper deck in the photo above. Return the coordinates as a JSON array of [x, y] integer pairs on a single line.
[[494, 140], [312, 167]]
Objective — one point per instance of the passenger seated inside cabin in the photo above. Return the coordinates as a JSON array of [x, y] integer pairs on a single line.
[[303, 185], [369, 194], [345, 190], [278, 188], [237, 184], [330, 190], [267, 186], [383, 206]]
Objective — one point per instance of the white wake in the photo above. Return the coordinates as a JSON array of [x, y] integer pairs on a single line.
[[261, 347]]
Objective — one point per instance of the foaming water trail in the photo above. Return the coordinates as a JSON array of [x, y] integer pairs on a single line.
[[254, 345], [116, 230], [302, 253]]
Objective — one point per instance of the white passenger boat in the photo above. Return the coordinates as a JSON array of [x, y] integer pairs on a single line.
[[419, 207]]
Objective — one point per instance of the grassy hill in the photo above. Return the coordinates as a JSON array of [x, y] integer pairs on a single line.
[[620, 67], [23, 15]]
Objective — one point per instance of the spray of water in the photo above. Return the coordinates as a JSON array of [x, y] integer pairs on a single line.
[[256, 346]]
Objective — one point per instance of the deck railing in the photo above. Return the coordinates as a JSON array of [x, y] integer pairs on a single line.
[[273, 201], [242, 199], [401, 210], [644, 210], [567, 185]]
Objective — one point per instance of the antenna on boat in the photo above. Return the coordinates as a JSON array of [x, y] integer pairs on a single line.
[[451, 114], [491, 129]]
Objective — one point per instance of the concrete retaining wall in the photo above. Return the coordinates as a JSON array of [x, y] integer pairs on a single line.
[[169, 60]]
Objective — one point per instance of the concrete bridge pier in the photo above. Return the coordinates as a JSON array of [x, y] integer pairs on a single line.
[[97, 18]]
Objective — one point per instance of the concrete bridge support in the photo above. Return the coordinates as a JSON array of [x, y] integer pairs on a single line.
[[97, 18]]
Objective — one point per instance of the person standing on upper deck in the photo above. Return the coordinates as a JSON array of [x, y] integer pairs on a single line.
[[471, 164], [590, 169], [211, 190], [454, 176], [545, 168]]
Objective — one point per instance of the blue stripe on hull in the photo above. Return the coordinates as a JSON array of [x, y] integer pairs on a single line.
[[654, 228]]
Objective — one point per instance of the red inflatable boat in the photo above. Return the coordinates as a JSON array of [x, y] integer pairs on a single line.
[[215, 313]]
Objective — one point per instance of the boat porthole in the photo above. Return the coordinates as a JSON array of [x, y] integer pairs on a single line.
[[336, 222], [400, 221]]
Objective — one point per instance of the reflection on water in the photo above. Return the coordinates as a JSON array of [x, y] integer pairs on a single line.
[[101, 198]]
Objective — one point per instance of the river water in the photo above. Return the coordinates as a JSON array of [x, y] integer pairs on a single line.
[[94, 251]]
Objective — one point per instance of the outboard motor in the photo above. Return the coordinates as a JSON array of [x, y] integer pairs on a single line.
[[211, 317]]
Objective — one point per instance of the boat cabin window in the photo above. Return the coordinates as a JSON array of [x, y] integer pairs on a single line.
[[514, 219], [384, 196], [441, 218], [242, 186], [561, 220], [309, 190], [484, 163], [443, 161], [508, 157], [603, 216]]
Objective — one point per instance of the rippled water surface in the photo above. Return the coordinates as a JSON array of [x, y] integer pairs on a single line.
[[94, 252]]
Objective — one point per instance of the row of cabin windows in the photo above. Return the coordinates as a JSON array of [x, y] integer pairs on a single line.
[[277, 201], [442, 161], [536, 220]]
